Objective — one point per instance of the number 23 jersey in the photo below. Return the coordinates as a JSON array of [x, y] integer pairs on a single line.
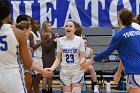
[[70, 50]]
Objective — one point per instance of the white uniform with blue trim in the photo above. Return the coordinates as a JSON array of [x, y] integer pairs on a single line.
[[11, 80], [37, 54], [70, 66], [133, 81], [87, 53]]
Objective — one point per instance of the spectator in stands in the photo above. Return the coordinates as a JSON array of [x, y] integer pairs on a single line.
[[71, 50], [36, 42], [48, 54], [89, 56], [126, 42]]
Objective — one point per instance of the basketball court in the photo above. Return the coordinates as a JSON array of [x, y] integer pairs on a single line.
[[57, 88]]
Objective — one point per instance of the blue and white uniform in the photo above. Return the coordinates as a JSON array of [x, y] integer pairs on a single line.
[[87, 53], [135, 25], [11, 77], [70, 66], [37, 54], [28, 45], [127, 43]]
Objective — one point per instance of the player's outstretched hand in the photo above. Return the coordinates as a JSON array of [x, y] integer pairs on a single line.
[[84, 65], [56, 39], [47, 72], [46, 36]]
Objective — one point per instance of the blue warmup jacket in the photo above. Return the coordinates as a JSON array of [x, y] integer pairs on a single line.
[[127, 43]]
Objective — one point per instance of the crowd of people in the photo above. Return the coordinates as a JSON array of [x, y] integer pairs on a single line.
[[29, 53]]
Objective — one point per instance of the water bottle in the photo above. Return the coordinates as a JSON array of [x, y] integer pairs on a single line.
[[84, 87], [108, 86], [96, 88], [124, 85], [113, 32]]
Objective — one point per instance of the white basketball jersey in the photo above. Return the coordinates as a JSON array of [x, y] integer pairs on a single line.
[[37, 39], [8, 49], [28, 41], [70, 50], [87, 53]]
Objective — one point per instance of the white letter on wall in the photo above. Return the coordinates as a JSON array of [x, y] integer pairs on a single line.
[[72, 10], [113, 13], [137, 7], [127, 4], [16, 11], [28, 7], [94, 10], [43, 11]]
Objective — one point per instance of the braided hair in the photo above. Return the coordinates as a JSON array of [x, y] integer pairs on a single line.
[[5, 9]]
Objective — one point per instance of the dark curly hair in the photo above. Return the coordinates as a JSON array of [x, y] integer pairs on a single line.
[[22, 17], [5, 10]]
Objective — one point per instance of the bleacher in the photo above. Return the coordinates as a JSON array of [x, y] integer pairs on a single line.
[[98, 40]]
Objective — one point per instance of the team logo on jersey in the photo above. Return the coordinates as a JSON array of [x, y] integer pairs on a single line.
[[69, 50]]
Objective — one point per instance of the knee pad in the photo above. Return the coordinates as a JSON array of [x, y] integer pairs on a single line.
[[76, 90]]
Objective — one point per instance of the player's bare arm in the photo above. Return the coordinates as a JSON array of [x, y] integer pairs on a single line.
[[57, 61], [24, 52], [25, 55], [91, 54], [31, 38], [82, 57], [118, 73]]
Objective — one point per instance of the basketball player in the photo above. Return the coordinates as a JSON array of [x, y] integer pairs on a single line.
[[23, 17], [25, 26], [11, 80], [89, 56], [72, 50], [12, 22], [135, 24], [35, 43], [127, 43]]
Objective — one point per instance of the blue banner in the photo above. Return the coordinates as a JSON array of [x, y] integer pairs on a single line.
[[89, 13]]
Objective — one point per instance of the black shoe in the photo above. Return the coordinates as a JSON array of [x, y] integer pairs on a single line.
[[44, 91], [93, 84], [50, 90]]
